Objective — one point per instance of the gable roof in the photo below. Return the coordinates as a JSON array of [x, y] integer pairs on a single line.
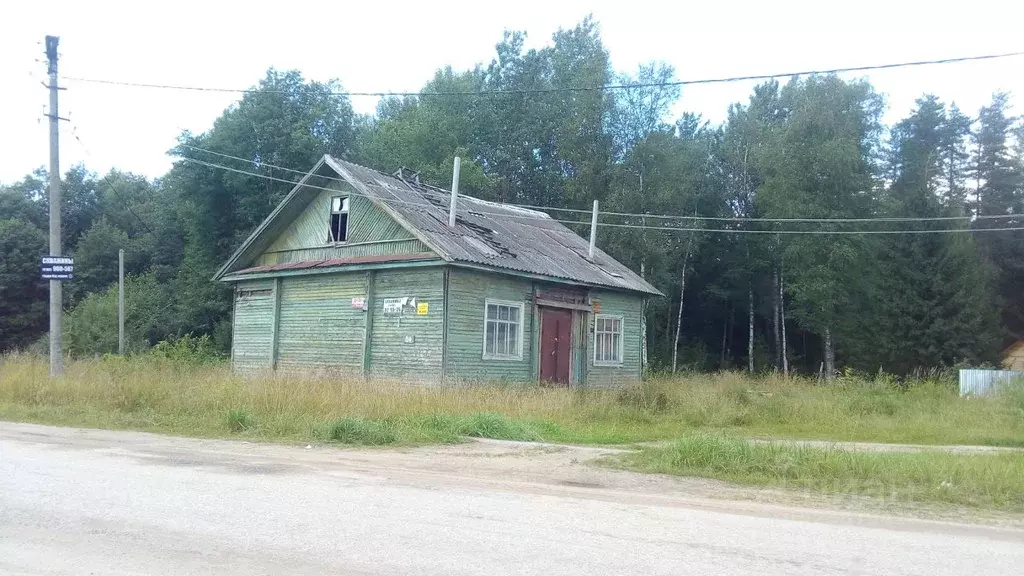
[[486, 234], [1013, 348]]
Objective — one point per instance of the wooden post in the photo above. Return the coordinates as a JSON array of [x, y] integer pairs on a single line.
[[56, 298], [120, 302]]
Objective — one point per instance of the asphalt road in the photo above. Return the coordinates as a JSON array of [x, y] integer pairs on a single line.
[[97, 502]]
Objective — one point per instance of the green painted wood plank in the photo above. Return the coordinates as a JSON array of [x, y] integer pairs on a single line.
[[319, 328], [367, 223], [368, 323], [629, 306], [468, 291], [407, 347], [252, 325]]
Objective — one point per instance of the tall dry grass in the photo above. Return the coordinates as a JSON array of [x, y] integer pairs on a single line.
[[152, 393]]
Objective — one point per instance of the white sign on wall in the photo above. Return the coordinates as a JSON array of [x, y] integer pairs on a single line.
[[359, 303], [394, 305]]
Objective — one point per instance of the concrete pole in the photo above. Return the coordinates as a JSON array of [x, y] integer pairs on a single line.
[[120, 302], [455, 192], [593, 231], [56, 357]]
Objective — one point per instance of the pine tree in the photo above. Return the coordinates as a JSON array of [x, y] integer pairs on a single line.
[[999, 173]]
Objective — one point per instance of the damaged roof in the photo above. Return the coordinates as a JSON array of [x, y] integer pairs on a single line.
[[486, 234]]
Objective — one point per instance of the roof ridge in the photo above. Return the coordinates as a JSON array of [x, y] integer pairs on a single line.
[[447, 192]]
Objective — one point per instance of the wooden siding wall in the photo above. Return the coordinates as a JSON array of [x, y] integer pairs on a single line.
[[408, 347], [1013, 359], [467, 292], [371, 233], [318, 328], [252, 326], [630, 307], [342, 251]]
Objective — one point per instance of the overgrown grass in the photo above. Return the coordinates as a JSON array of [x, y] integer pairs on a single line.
[[994, 481], [166, 394]]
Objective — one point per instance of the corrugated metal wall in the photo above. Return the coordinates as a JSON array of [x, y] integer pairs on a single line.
[[629, 306], [408, 346], [467, 292], [252, 325], [318, 328], [974, 381]]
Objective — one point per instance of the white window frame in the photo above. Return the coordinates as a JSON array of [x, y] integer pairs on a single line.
[[344, 209], [622, 339], [519, 335]]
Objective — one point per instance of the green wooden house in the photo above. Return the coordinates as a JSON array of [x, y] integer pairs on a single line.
[[359, 273]]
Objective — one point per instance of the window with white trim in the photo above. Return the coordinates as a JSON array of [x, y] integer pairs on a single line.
[[607, 339], [503, 330], [338, 231]]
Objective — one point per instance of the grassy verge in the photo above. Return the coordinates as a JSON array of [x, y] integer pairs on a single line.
[[984, 481], [162, 395]]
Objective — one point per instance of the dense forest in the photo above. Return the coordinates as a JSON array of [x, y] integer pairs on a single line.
[[812, 147]]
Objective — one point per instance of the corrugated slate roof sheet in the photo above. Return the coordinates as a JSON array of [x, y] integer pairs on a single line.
[[491, 234]]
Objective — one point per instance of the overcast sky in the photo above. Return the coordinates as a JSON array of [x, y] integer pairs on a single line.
[[375, 46]]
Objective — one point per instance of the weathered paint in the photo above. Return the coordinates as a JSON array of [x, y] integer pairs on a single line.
[[468, 291], [405, 263], [366, 222], [252, 326], [630, 307], [408, 347], [318, 327], [382, 248], [371, 232]]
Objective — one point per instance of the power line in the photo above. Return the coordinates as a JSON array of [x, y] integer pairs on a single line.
[[655, 216], [603, 87], [818, 232], [631, 226], [74, 133], [294, 183]]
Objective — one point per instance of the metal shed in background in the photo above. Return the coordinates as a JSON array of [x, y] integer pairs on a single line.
[[978, 382]]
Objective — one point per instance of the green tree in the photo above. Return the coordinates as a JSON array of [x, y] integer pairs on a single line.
[[96, 258], [935, 303], [90, 328], [286, 121], [821, 163], [23, 296], [999, 174]]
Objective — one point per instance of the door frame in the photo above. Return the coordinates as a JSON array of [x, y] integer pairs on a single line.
[[578, 339]]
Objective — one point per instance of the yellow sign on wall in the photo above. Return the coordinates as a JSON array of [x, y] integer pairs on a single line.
[[422, 308]]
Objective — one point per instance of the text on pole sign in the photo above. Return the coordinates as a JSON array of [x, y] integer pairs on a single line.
[[57, 268]]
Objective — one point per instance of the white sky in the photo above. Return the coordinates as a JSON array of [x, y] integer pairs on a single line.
[[374, 46]]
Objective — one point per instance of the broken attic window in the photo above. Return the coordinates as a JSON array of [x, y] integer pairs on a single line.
[[339, 220]]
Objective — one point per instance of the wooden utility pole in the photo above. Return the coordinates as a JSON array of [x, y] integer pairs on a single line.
[[120, 302], [56, 358]]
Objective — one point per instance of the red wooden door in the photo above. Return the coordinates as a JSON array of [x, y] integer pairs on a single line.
[[555, 345]]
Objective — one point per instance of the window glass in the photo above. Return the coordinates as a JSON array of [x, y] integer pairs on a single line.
[[503, 330], [607, 340]]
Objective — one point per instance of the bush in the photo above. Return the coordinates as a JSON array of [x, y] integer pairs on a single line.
[[187, 349], [90, 328]]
